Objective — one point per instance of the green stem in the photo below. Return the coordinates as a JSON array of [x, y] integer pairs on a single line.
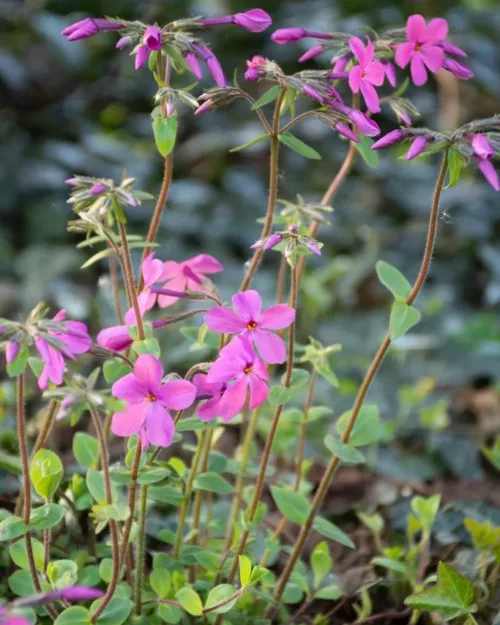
[[140, 552], [273, 192], [187, 496], [358, 403]]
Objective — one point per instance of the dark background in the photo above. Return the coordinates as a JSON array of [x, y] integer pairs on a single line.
[[81, 108]]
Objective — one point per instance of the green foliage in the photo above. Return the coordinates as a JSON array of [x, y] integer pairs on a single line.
[[403, 318], [366, 427], [12, 527], [218, 595], [165, 132], [297, 145], [115, 613], [190, 601], [76, 615], [47, 516], [18, 365], [292, 505], [46, 473], [345, 452], [86, 450], [213, 483], [394, 280], [364, 146]]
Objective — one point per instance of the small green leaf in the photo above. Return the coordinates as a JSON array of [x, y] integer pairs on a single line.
[[115, 613], [298, 146], [279, 395], [245, 569], [46, 516], [76, 615], [268, 96], [148, 346], [331, 531], [170, 613], [152, 475], [165, 132], [366, 428], [370, 156], [12, 527], [160, 581], [18, 365], [207, 559], [403, 318], [426, 510], [331, 593], [190, 601], [62, 573], [114, 369], [218, 594], [36, 365], [345, 452], [98, 256], [19, 555], [455, 164], [394, 280], [46, 473], [213, 483], [86, 450], [452, 595], [293, 506], [321, 562], [392, 565], [239, 148], [95, 484]]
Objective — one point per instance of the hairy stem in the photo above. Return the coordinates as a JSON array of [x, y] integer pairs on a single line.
[[140, 551], [115, 286], [132, 493], [129, 279], [273, 193], [207, 446], [358, 403]]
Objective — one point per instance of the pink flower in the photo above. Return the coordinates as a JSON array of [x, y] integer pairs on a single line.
[[395, 136], [255, 68], [459, 70], [368, 73], [418, 145], [212, 63], [152, 38], [141, 57], [188, 275], [74, 593], [12, 350], [14, 620], [250, 322], [117, 338], [483, 153], [255, 20], [211, 408], [423, 47], [74, 339], [89, 27], [193, 64], [148, 400], [245, 371]]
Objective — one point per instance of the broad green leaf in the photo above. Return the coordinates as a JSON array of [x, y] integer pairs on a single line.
[[166, 494], [62, 573], [298, 146], [190, 601], [169, 613], [245, 569], [331, 593], [366, 428], [347, 453], [86, 450], [151, 475], [455, 164], [148, 346], [268, 96], [18, 365], [392, 565], [403, 318], [12, 527], [21, 584], [321, 562], [279, 395], [46, 473], [331, 531], [165, 132], [76, 615], [364, 147], [218, 594], [114, 369], [239, 148], [293, 506], [115, 613], [36, 365], [19, 555], [46, 516], [485, 536], [95, 484], [213, 483], [208, 560], [160, 581], [426, 510], [452, 595], [374, 522], [394, 280], [106, 570]]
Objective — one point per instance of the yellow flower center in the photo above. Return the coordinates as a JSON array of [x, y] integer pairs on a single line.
[[150, 397], [248, 370], [251, 326]]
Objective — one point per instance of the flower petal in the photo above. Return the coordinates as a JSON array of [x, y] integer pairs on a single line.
[[403, 54], [233, 400], [160, 427], [433, 57], [224, 320], [416, 28], [248, 304], [271, 347], [355, 78], [258, 392], [177, 394], [204, 263], [149, 372], [130, 421], [375, 73], [152, 269], [209, 410], [358, 49], [371, 96], [369, 52], [437, 30], [490, 174], [129, 388], [277, 317], [115, 338], [418, 71]]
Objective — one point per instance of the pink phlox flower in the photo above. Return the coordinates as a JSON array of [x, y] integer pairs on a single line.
[[367, 75], [255, 20], [244, 372], [423, 48], [89, 27], [152, 270], [210, 409], [212, 63], [249, 321], [118, 339], [188, 275], [149, 399], [152, 38], [255, 68], [483, 153]]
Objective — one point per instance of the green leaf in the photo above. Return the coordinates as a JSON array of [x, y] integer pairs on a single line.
[[18, 365], [452, 595], [148, 346], [293, 506], [46, 516], [114, 369], [455, 164], [239, 148], [62, 573], [106, 570], [268, 96], [166, 494], [95, 484], [331, 593], [298, 146], [345, 452], [364, 147], [392, 565], [207, 559], [331, 531], [321, 562], [218, 594], [115, 613], [245, 569], [165, 132], [169, 613], [213, 483], [12, 527], [403, 318], [36, 365], [76, 615], [21, 584], [279, 395], [46, 473], [190, 601], [19, 555], [98, 256], [151, 475], [160, 581], [366, 428], [426, 510], [485, 536], [394, 280], [86, 450]]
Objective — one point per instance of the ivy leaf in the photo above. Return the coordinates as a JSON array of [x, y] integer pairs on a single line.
[[345, 452], [268, 96], [452, 595], [366, 428], [298, 146], [293, 506], [394, 280], [165, 132], [403, 318], [364, 147]]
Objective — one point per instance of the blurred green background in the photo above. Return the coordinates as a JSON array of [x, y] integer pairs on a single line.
[[81, 108]]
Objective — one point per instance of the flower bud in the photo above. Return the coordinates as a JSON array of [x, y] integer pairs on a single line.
[[286, 35], [152, 38], [345, 131], [141, 57], [11, 351], [418, 145], [482, 147], [193, 64], [272, 241], [449, 48], [206, 106], [395, 136], [97, 188], [459, 70], [255, 20], [363, 123], [122, 43], [311, 53]]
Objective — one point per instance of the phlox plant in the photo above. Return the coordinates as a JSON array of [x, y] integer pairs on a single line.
[[85, 536]]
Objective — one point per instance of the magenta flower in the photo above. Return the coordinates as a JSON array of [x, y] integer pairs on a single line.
[[418, 145], [255, 68], [459, 70], [249, 321], [117, 338], [483, 153], [363, 123], [255, 20], [152, 38], [244, 372], [152, 270], [148, 400], [395, 136], [188, 275], [345, 131], [212, 63], [74, 339], [12, 350], [340, 63], [211, 408], [194, 64], [74, 593], [89, 27], [13, 620], [311, 53], [423, 48], [368, 73], [286, 35]]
